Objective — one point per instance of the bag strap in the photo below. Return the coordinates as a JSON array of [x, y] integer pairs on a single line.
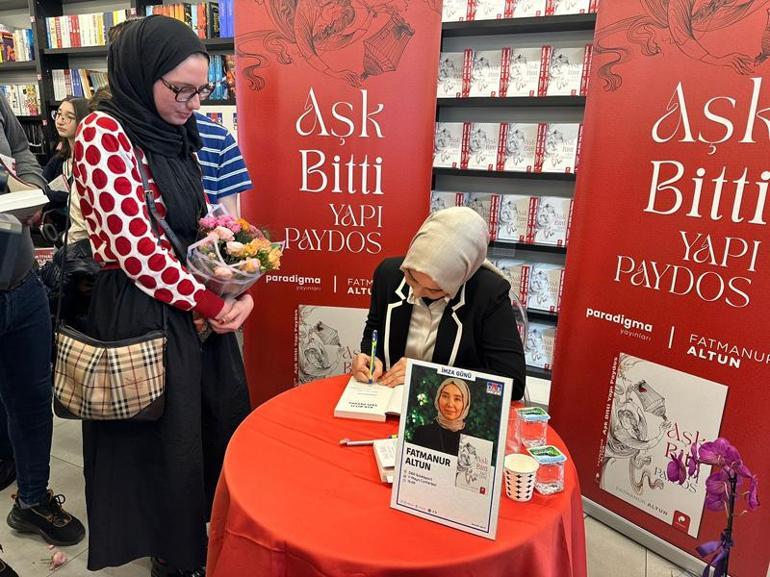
[[60, 296]]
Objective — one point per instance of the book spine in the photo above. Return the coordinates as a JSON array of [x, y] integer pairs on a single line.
[[494, 210], [510, 8], [524, 285], [464, 147], [578, 149], [502, 136], [557, 308], [587, 57], [531, 217], [542, 129], [467, 67], [550, 8], [594, 6], [58, 32], [505, 72], [470, 10], [569, 223], [545, 64]]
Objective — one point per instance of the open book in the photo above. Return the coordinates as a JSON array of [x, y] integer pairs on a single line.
[[385, 455], [23, 199], [369, 402]]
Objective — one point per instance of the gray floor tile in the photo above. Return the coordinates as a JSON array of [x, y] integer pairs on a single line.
[[68, 442], [659, 567], [608, 551]]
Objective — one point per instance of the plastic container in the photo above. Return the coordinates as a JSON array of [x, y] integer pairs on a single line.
[[531, 426], [550, 474]]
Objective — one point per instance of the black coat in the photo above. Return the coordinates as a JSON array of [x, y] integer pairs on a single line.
[[477, 332], [434, 436]]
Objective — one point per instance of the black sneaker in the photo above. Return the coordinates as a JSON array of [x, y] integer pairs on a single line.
[[7, 475], [6, 571], [161, 569], [49, 520]]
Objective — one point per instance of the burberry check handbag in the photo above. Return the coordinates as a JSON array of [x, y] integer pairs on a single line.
[[111, 380]]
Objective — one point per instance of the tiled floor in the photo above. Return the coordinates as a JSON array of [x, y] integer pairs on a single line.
[[608, 551]]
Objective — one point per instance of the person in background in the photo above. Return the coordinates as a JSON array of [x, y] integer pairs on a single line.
[[26, 420], [225, 175], [150, 484], [444, 303]]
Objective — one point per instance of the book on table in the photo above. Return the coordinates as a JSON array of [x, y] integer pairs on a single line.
[[385, 456], [369, 402]]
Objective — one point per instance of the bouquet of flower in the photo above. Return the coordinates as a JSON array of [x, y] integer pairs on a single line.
[[728, 479], [232, 254]]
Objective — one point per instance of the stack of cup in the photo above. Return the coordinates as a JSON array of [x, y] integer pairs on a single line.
[[531, 426], [520, 471]]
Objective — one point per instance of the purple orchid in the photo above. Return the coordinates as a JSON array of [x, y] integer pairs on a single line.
[[676, 471], [719, 452], [693, 465]]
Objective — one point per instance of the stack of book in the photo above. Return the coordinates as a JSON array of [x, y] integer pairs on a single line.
[[535, 71], [537, 285], [222, 71], [23, 98], [207, 19], [77, 82], [515, 217], [464, 10], [16, 45], [509, 147], [79, 30]]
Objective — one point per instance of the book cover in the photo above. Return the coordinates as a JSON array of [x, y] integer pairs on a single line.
[[440, 200], [486, 73], [230, 73], [454, 479], [326, 340], [565, 71], [482, 145], [485, 204], [552, 220], [523, 77], [452, 75], [515, 217], [559, 147], [538, 346], [488, 9], [525, 8], [516, 271], [545, 284], [474, 464], [448, 144], [455, 10], [652, 416], [559, 7], [518, 147]]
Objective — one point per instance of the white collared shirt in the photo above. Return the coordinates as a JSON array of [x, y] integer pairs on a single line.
[[423, 327]]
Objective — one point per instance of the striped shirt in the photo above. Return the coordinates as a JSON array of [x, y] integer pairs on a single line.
[[223, 168]]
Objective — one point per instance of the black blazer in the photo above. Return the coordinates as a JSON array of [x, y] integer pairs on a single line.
[[434, 436], [477, 332]]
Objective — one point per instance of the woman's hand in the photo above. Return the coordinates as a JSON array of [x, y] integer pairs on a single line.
[[230, 319], [395, 376], [360, 368], [199, 322]]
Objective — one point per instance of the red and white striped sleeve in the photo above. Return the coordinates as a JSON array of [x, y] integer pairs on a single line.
[[111, 195]]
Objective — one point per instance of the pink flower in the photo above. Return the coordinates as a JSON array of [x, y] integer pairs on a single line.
[[693, 465], [676, 471], [719, 452], [208, 222], [223, 272], [224, 234]]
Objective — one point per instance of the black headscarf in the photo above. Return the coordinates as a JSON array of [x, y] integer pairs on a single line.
[[144, 51]]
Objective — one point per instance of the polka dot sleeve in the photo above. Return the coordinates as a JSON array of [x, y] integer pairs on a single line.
[[111, 194]]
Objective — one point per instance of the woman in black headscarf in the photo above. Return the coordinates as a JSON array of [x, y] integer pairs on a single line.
[[149, 485]]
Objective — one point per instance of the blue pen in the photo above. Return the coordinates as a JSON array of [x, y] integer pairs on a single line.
[[374, 352]]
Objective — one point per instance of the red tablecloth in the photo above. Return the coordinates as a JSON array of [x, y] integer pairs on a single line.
[[292, 502]]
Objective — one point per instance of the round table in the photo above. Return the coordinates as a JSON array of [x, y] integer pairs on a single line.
[[292, 502]]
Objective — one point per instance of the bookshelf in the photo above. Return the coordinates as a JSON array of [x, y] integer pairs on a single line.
[[558, 31], [20, 13]]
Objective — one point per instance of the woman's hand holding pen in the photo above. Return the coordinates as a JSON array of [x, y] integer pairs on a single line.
[[360, 368]]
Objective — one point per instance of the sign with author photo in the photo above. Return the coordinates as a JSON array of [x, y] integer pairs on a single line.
[[451, 440], [667, 279]]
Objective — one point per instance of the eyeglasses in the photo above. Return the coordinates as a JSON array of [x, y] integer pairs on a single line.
[[187, 93], [67, 118]]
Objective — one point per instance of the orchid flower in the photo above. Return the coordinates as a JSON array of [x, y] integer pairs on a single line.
[[676, 471]]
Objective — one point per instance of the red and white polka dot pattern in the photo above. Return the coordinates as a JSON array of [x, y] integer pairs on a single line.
[[109, 185]]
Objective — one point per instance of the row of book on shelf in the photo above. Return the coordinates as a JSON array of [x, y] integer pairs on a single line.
[[77, 82], [16, 45], [79, 30], [23, 99], [515, 218], [508, 146], [207, 19], [532, 71], [466, 10]]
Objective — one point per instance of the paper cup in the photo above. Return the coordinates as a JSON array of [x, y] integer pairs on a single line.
[[520, 471]]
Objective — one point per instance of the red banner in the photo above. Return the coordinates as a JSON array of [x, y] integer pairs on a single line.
[[336, 102], [663, 338]]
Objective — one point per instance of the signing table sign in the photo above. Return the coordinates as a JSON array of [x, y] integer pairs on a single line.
[[451, 447]]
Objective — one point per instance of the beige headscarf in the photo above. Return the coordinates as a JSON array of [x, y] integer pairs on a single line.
[[450, 247], [459, 423]]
